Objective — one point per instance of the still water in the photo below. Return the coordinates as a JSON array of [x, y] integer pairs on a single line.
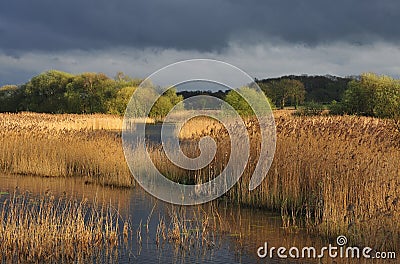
[[243, 231]]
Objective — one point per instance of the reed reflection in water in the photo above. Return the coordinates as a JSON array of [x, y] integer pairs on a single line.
[[151, 231]]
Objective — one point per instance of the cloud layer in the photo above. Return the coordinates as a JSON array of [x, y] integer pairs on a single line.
[[76, 34], [259, 61], [201, 25]]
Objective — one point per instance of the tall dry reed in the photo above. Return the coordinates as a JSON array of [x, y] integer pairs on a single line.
[[61, 122], [334, 175], [36, 146], [56, 230]]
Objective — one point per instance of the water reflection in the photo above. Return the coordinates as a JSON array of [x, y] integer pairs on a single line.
[[233, 237]]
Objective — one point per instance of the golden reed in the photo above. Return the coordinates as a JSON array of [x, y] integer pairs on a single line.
[[45, 229], [63, 146], [332, 174]]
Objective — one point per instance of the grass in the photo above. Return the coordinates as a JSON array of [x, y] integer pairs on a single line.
[[57, 230]]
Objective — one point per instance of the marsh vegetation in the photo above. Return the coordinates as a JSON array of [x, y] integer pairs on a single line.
[[64, 146], [331, 175], [49, 229]]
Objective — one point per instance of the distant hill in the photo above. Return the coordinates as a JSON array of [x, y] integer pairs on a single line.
[[321, 89], [199, 104]]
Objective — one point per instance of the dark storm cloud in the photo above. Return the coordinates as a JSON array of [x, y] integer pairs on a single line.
[[208, 25]]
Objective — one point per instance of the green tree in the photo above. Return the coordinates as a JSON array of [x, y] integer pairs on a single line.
[[285, 91], [45, 92], [165, 103], [118, 104], [141, 101], [387, 96], [239, 103], [90, 93], [371, 95], [161, 107], [10, 98], [122, 80], [60, 92], [296, 92], [173, 97], [358, 99]]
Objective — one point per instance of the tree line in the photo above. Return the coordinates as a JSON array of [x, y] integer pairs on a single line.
[[320, 89], [60, 92]]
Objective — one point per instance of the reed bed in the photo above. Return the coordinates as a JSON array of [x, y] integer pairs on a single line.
[[61, 122], [45, 229], [333, 175], [39, 186], [203, 125], [42, 148]]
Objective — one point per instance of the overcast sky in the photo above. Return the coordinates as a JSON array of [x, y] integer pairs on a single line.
[[264, 38]]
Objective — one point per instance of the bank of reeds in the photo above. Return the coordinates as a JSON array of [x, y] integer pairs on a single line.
[[32, 144], [61, 122], [334, 175], [57, 230]]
